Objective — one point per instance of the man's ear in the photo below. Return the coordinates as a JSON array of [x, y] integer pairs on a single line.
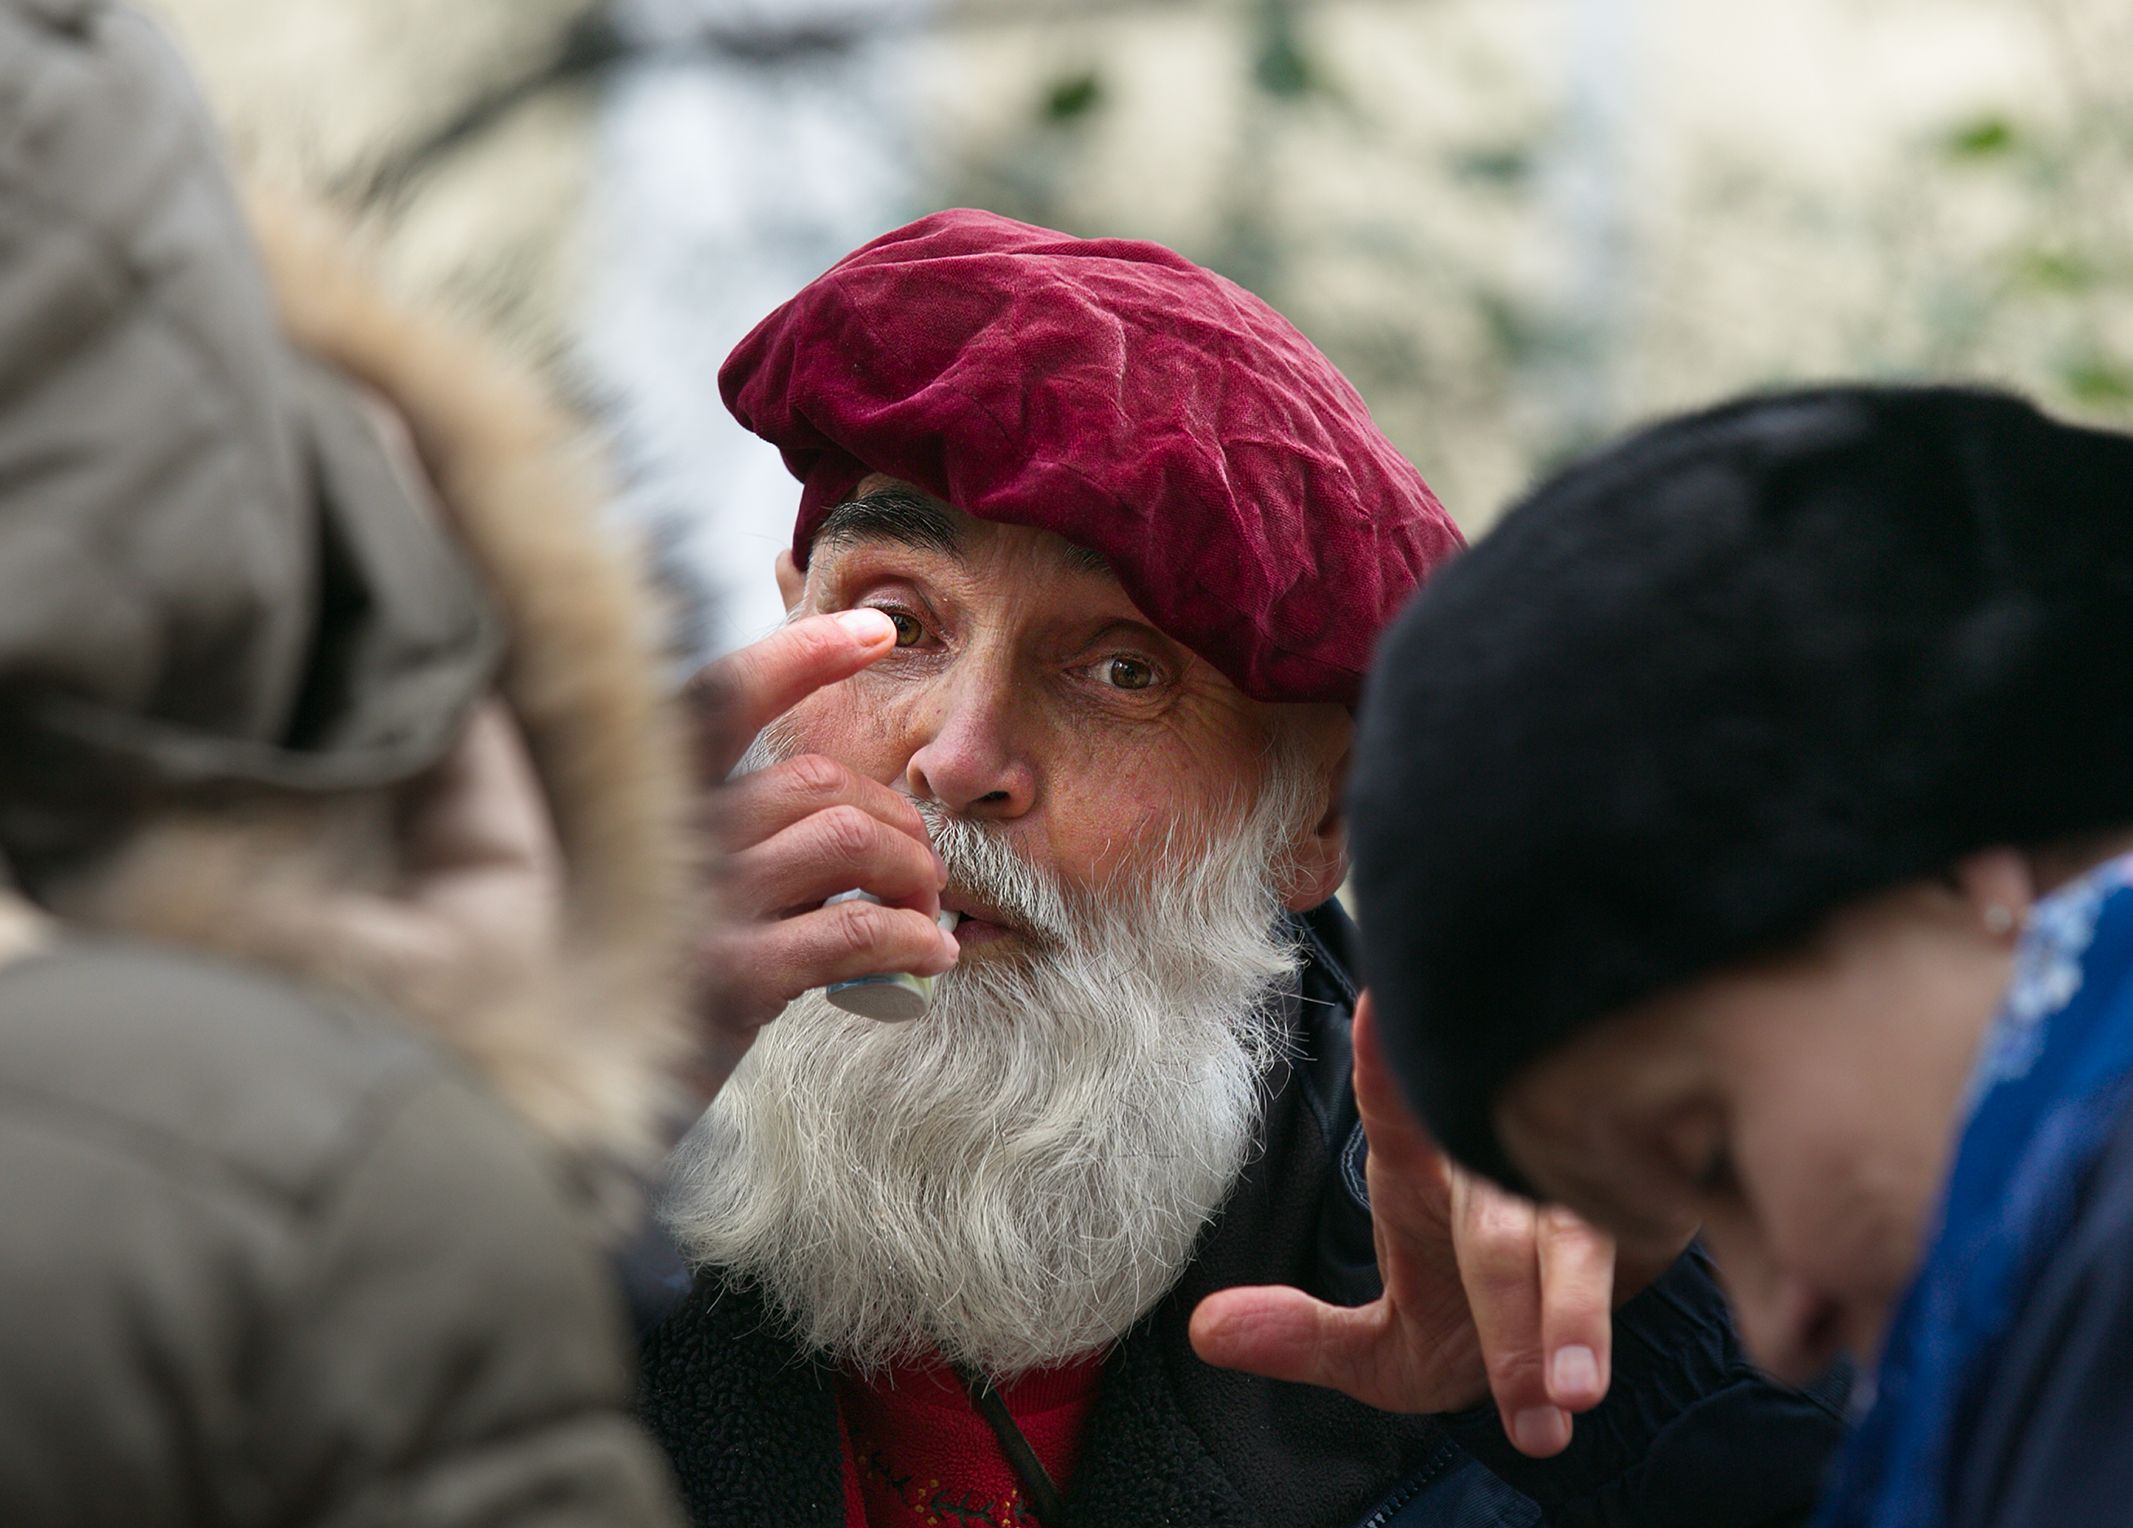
[[1320, 857], [792, 583]]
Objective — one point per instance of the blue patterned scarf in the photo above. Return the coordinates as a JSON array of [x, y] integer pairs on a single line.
[[2052, 1079]]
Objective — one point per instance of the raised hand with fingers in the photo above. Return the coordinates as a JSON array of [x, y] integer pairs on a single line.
[[1485, 1293], [798, 831]]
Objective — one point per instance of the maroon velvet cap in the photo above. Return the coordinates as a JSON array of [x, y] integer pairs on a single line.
[[1115, 393]]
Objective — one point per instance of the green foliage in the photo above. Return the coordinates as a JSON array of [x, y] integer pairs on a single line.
[[1280, 65], [2055, 270], [1989, 240], [2097, 380], [1281, 69], [1071, 97], [1501, 166], [1519, 332], [1988, 135]]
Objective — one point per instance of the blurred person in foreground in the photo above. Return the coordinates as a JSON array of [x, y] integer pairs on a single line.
[[1135, 539], [1781, 885], [337, 904]]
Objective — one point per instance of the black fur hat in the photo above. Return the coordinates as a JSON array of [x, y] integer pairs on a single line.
[[1709, 685]]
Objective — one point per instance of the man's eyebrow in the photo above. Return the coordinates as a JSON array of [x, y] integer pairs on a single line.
[[891, 514], [899, 515]]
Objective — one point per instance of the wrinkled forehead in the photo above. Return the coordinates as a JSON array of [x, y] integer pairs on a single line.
[[883, 509]]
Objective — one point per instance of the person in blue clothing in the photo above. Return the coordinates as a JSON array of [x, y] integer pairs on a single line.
[[1091, 552], [1781, 881]]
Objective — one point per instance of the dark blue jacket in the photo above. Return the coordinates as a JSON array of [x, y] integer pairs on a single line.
[[2051, 1439], [1689, 1434]]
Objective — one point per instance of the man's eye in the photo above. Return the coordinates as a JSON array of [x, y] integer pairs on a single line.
[[1127, 674], [908, 631]]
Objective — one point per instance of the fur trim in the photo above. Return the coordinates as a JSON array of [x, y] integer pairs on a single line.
[[23, 927], [591, 1065]]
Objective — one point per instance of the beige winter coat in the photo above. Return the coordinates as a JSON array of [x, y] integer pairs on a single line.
[[285, 1236]]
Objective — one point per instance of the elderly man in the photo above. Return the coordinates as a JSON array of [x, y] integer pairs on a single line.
[[1091, 553]]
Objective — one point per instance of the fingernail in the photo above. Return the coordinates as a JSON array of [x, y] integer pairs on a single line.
[[868, 627], [955, 951], [1576, 1373], [1540, 1430]]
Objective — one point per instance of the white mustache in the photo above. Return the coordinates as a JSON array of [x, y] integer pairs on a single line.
[[984, 867], [982, 864]]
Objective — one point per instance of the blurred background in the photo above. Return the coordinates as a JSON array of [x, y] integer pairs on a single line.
[[1516, 225]]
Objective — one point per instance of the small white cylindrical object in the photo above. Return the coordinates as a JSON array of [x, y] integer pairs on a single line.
[[892, 997]]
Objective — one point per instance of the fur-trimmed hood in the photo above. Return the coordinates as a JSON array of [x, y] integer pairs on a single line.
[[588, 1046], [235, 642], [591, 1060]]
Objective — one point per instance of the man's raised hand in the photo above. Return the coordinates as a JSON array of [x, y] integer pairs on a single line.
[[1485, 1294], [790, 835]]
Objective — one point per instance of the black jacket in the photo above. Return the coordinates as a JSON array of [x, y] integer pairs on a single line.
[[1689, 1434]]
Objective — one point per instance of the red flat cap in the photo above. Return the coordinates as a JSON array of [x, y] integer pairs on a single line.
[[1115, 393]]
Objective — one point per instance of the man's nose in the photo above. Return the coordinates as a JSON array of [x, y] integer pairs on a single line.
[[969, 759]]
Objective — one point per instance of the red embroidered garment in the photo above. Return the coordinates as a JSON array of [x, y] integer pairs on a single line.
[[917, 1453]]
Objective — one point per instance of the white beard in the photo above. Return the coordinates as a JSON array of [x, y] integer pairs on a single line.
[[1014, 1179]]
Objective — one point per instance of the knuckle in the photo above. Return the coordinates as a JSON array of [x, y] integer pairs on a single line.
[[1499, 1225], [1501, 1290], [846, 832], [815, 774], [1510, 1367], [1564, 1226], [860, 925], [806, 644]]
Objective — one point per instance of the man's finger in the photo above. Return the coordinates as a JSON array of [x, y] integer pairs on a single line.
[[1495, 1236], [759, 804], [1285, 1334], [744, 692], [840, 849], [1398, 1140], [1577, 1282], [750, 974]]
